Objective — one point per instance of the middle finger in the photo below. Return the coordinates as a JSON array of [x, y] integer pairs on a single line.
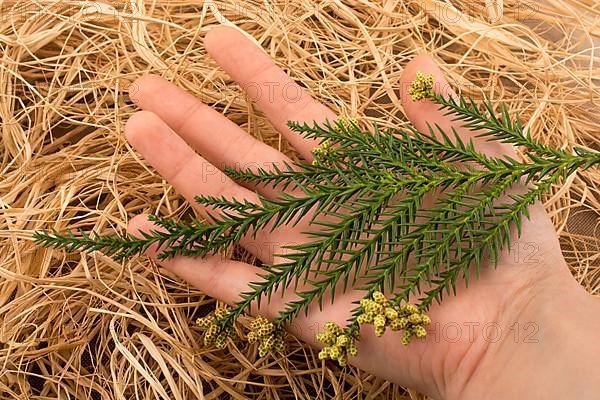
[[192, 175], [214, 136]]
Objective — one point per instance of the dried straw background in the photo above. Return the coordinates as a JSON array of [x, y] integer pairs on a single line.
[[82, 326]]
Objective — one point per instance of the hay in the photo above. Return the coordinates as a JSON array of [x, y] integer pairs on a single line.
[[83, 326]]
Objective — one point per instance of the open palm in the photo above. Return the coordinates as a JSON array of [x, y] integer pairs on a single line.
[[189, 143]]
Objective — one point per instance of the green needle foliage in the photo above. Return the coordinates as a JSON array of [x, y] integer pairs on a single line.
[[390, 211]]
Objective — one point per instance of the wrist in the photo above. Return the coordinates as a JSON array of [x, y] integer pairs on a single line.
[[554, 360]]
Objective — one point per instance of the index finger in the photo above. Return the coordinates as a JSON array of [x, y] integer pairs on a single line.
[[280, 98]]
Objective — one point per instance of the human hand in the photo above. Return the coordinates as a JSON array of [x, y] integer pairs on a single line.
[[183, 138]]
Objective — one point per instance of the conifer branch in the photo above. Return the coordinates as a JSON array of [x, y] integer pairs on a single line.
[[372, 225]]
